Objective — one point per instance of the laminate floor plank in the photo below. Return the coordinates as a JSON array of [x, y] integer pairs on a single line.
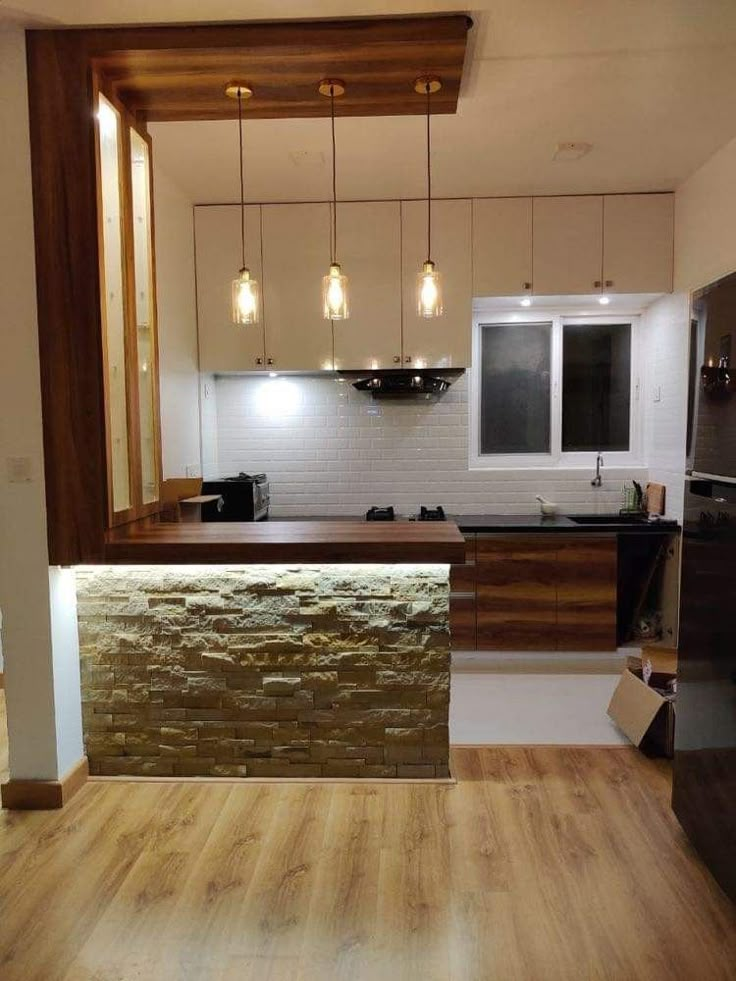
[[541, 864]]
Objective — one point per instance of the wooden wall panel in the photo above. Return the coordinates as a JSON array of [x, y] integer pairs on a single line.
[[70, 338]]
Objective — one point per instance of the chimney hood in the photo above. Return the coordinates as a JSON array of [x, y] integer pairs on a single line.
[[407, 383]]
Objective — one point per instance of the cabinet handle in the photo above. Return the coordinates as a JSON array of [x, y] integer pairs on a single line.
[[259, 360], [397, 360], [609, 282], [526, 286], [269, 360], [597, 284], [407, 359]]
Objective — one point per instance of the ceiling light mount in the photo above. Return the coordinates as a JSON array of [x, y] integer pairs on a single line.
[[332, 87], [427, 84], [235, 90]]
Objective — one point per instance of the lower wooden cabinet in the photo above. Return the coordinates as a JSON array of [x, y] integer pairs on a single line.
[[516, 593], [535, 593]]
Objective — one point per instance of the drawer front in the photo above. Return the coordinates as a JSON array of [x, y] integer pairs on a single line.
[[462, 623]]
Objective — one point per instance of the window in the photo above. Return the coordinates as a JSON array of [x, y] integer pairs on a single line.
[[549, 392]]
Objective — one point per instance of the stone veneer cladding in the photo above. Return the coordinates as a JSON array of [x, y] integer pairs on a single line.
[[253, 671]]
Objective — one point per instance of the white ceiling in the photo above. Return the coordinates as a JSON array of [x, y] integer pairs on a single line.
[[650, 83]]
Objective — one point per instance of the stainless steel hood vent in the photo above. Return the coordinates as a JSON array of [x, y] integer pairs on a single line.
[[407, 383]]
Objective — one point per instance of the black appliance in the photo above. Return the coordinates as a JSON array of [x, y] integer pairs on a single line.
[[245, 497], [704, 776], [380, 514], [430, 514], [407, 383]]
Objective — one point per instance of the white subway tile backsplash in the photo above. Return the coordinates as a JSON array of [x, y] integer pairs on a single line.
[[331, 450]]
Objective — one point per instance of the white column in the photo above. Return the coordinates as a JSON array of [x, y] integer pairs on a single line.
[[38, 607]]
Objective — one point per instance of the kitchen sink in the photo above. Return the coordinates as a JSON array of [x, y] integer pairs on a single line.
[[607, 519]]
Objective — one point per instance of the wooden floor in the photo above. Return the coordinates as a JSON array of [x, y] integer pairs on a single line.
[[540, 864]]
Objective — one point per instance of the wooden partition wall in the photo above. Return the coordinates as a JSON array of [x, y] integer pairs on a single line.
[[170, 73]]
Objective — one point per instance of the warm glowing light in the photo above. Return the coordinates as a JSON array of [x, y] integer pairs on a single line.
[[107, 117], [604, 300], [335, 294], [245, 299], [429, 291]]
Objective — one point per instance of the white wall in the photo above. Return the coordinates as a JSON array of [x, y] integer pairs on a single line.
[[665, 332], [44, 716], [177, 322], [705, 222], [331, 450]]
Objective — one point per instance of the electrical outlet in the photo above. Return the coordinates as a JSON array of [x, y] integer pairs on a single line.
[[657, 396], [206, 390]]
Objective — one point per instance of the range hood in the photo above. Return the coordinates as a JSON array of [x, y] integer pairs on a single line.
[[407, 383]]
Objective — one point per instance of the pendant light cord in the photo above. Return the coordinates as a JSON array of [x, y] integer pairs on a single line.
[[242, 181], [429, 184], [333, 243]]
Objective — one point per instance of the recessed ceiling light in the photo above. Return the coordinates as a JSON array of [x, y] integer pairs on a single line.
[[571, 150]]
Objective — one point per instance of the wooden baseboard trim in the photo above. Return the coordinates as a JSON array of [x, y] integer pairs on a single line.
[[44, 795]]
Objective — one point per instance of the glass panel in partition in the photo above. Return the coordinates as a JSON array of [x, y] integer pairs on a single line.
[[113, 300], [144, 313], [596, 387], [515, 388]]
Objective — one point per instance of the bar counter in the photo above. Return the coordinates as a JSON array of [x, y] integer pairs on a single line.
[[279, 649]]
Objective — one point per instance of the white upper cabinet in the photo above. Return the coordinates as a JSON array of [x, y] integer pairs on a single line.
[[568, 245], [369, 251], [223, 345], [638, 231], [502, 246], [296, 255], [440, 342]]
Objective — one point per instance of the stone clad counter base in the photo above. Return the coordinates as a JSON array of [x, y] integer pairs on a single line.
[[266, 671]]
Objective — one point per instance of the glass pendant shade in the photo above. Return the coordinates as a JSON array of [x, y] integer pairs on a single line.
[[245, 299], [429, 291], [335, 294]]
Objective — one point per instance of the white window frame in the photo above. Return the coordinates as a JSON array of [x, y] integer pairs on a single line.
[[555, 459]]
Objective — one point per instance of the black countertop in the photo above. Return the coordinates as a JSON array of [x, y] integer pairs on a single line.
[[534, 523]]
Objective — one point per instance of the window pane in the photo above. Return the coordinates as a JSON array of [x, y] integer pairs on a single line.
[[515, 388], [596, 386]]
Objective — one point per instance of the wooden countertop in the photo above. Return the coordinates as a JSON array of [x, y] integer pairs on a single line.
[[154, 542]]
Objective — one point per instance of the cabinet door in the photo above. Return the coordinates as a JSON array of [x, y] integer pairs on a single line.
[[516, 594], [568, 245], [441, 342], [369, 251], [586, 593], [296, 255], [502, 246], [638, 232], [223, 345]]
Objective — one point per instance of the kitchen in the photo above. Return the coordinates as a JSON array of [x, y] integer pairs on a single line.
[[428, 492]]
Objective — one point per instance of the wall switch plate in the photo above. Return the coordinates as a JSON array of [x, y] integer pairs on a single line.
[[657, 395], [206, 387], [19, 469]]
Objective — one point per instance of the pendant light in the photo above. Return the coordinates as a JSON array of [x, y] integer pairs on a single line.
[[429, 283], [245, 301], [335, 283]]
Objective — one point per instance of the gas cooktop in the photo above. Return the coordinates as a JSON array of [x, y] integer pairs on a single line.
[[389, 514]]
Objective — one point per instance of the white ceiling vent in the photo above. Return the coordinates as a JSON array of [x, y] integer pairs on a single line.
[[571, 150]]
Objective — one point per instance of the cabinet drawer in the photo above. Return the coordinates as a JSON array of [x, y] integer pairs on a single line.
[[462, 577], [462, 623]]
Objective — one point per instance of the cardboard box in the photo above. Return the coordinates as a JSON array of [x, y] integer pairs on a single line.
[[643, 714]]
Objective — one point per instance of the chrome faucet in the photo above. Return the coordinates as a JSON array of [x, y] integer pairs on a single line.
[[597, 480]]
